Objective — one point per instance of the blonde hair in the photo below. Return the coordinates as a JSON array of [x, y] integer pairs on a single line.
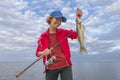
[[49, 19]]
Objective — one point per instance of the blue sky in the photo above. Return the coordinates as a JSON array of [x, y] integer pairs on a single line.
[[22, 21]]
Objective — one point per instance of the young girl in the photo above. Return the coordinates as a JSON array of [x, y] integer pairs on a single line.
[[51, 37]]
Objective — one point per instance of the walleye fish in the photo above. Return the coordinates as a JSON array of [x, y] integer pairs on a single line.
[[80, 30]]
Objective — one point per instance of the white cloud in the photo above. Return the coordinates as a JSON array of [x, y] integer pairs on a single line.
[[21, 23], [113, 11], [101, 2], [5, 33], [54, 3], [105, 20], [66, 10], [20, 5], [115, 47], [16, 26], [72, 15]]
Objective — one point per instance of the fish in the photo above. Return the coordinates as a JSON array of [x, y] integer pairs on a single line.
[[80, 30]]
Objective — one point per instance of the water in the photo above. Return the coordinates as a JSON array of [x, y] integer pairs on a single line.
[[81, 71], [97, 71]]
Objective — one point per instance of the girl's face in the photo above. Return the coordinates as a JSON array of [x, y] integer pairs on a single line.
[[56, 22]]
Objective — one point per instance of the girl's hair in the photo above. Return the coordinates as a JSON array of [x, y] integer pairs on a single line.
[[49, 19]]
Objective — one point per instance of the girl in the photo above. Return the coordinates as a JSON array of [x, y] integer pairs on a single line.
[[53, 35]]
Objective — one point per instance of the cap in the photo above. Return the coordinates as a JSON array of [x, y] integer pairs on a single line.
[[58, 14]]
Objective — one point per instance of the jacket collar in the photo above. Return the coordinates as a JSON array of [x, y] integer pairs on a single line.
[[57, 31]]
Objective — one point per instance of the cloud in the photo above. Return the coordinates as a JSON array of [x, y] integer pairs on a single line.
[[21, 23], [114, 48], [112, 34], [57, 4], [101, 2], [15, 25], [66, 10], [104, 21]]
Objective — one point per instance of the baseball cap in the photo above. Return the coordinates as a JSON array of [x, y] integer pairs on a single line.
[[58, 14]]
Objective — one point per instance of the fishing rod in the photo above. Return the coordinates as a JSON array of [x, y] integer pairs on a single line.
[[102, 10], [21, 72], [41, 56]]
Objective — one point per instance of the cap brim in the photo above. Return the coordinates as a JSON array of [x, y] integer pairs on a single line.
[[64, 19]]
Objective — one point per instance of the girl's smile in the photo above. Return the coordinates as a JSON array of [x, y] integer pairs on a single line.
[[56, 22]]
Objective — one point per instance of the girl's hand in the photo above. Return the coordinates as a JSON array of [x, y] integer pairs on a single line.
[[79, 13], [45, 52]]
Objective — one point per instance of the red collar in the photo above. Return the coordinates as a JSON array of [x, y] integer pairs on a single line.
[[57, 31]]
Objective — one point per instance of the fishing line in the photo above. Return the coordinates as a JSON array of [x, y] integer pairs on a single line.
[[100, 11]]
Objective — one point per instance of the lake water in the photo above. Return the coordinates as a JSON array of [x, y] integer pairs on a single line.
[[81, 71]]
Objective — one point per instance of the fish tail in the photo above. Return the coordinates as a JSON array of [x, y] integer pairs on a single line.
[[83, 50]]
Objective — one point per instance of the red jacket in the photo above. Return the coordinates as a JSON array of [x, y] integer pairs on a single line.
[[43, 42]]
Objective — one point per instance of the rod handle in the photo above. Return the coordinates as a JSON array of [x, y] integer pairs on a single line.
[[40, 57], [19, 73]]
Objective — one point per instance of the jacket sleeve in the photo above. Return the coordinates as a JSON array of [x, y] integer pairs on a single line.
[[40, 45], [71, 34]]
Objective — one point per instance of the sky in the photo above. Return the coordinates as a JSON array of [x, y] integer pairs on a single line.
[[22, 22]]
